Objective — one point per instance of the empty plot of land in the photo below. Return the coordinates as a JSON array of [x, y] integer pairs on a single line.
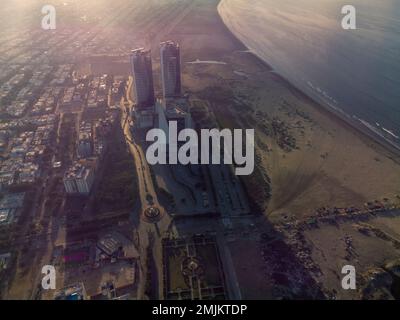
[[353, 244], [250, 269]]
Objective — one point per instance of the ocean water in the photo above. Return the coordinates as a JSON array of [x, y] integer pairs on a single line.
[[356, 72]]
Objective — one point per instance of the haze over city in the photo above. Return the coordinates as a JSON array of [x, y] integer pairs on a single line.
[[199, 150]]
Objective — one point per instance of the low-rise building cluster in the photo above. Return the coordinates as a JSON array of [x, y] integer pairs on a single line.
[[98, 91], [91, 146], [7, 88], [4, 135], [17, 109], [92, 136], [71, 101], [10, 206], [24, 155], [61, 75], [20, 124], [47, 101]]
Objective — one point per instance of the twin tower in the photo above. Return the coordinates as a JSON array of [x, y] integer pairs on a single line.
[[143, 74]]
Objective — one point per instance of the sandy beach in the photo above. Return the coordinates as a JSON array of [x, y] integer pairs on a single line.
[[307, 157]]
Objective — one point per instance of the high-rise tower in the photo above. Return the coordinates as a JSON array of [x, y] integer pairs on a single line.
[[143, 78], [170, 69]]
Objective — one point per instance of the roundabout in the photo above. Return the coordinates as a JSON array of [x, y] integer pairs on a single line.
[[152, 214]]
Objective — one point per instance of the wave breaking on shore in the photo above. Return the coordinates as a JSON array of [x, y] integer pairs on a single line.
[[244, 28]]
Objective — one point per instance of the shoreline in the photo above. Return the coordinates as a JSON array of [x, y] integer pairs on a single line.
[[345, 119]]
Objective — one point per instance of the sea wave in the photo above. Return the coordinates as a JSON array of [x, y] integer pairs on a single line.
[[248, 19]]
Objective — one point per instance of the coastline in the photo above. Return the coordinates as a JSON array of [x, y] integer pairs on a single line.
[[350, 122]]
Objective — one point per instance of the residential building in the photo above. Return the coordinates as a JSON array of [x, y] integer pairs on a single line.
[[143, 78], [170, 69], [79, 179]]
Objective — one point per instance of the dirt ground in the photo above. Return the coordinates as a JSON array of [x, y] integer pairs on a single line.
[[329, 251], [250, 270]]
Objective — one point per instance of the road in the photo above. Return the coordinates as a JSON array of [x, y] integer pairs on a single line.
[[150, 234], [145, 182]]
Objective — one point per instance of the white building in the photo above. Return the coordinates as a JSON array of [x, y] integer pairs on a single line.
[[79, 179], [70, 185]]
